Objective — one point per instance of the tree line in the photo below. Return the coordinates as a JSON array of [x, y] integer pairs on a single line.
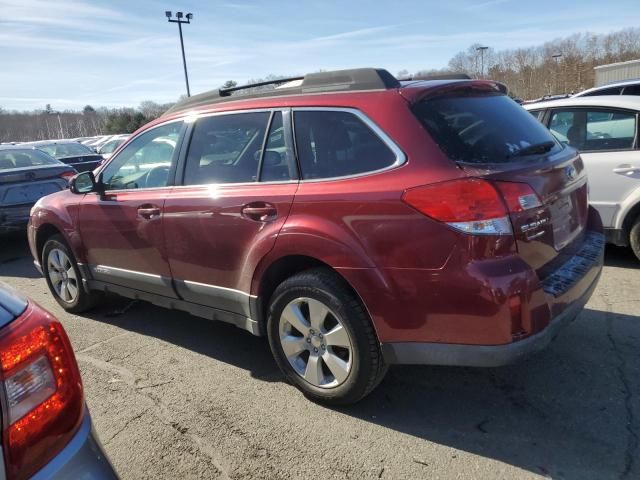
[[564, 65], [48, 123]]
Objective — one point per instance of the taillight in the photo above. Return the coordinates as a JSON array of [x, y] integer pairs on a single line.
[[518, 196], [470, 205], [43, 391], [67, 175]]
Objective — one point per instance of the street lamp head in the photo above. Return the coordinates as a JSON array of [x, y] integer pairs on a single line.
[[179, 14], [168, 13], [189, 16], [482, 48]]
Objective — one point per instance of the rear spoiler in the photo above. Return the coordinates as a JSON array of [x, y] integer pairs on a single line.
[[444, 88]]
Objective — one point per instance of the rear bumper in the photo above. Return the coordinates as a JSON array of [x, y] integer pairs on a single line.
[[486, 355], [14, 218], [83, 457]]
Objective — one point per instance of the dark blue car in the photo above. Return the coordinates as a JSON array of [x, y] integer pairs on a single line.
[[79, 156], [26, 175]]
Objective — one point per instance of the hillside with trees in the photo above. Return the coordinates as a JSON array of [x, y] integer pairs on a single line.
[[50, 124], [563, 65]]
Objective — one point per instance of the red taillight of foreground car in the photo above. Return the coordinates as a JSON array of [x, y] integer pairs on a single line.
[[470, 205], [43, 391]]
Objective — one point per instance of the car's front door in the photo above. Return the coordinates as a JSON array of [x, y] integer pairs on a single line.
[[121, 229], [607, 141], [237, 188]]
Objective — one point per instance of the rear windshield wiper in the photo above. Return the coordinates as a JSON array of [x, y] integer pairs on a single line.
[[535, 149]]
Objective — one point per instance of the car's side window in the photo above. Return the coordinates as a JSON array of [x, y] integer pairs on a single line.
[[226, 148], [537, 114], [333, 144], [605, 91], [146, 161], [594, 129], [632, 90], [275, 166]]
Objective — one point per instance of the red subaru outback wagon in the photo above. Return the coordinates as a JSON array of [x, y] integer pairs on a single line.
[[355, 220]]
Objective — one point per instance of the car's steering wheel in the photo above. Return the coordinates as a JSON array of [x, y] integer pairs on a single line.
[[157, 177]]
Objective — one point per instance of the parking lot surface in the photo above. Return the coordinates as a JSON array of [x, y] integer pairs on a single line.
[[175, 396]]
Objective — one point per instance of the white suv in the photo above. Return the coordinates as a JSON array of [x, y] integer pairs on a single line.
[[605, 131]]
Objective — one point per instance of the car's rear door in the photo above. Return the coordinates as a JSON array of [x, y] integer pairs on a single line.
[[238, 183], [606, 139], [121, 229]]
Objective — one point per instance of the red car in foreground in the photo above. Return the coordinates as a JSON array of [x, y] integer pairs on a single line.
[[46, 427], [355, 220]]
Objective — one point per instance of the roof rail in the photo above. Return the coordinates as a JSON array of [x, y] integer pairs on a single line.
[[225, 92], [320, 82]]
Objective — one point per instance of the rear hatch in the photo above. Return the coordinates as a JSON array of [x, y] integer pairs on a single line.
[[24, 186], [94, 157], [543, 183], [83, 163]]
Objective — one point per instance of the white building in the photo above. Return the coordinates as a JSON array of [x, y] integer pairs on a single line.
[[616, 72]]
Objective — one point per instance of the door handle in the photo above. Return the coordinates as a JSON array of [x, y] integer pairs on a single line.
[[260, 211], [626, 168], [148, 211]]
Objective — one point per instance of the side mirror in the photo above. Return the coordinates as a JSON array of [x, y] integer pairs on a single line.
[[85, 182]]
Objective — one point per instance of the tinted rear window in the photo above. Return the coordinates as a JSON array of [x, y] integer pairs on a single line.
[[482, 129], [62, 150], [10, 159]]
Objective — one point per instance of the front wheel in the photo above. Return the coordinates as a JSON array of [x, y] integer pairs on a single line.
[[322, 338], [63, 276]]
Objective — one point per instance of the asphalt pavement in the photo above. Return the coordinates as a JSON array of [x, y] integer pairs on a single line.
[[175, 396]]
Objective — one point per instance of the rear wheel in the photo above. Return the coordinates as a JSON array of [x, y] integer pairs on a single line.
[[634, 238], [322, 338], [63, 276]]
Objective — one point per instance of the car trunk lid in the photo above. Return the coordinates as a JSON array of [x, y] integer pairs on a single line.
[[548, 232], [24, 186]]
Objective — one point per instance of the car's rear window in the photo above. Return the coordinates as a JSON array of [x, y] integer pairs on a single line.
[[62, 150], [484, 129], [16, 158]]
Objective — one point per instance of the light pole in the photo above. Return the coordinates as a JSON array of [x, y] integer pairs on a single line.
[[53, 112], [179, 20], [556, 57], [481, 50]]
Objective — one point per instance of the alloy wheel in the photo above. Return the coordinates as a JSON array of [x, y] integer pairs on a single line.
[[62, 275], [316, 343]]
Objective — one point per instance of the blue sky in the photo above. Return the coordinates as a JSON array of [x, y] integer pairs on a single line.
[[70, 53]]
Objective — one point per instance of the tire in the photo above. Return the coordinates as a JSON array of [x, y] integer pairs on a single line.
[[634, 238], [330, 365], [59, 267]]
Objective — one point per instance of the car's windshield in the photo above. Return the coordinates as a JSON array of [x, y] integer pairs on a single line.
[[484, 129], [110, 146], [61, 150], [19, 158]]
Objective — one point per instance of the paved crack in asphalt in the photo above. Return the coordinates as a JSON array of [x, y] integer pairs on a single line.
[[633, 440]]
